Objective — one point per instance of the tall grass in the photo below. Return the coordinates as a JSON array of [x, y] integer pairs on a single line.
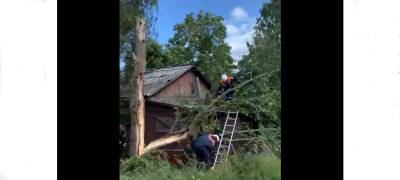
[[258, 167]]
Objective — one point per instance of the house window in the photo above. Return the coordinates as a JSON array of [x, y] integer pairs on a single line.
[[163, 124]]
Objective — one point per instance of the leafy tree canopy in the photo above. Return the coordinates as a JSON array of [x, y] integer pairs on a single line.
[[199, 40], [156, 57], [264, 57]]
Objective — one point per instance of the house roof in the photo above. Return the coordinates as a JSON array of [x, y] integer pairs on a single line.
[[157, 79]]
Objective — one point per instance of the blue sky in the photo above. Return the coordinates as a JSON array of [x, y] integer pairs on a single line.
[[239, 18]]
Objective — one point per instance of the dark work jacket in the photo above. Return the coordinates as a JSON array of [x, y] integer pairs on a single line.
[[202, 142]]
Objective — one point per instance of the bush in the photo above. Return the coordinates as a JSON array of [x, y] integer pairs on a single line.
[[146, 164], [236, 168]]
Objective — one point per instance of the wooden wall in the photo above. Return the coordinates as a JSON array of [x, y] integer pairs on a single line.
[[153, 113], [186, 86]]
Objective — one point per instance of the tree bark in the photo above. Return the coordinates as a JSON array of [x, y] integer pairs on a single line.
[[137, 103]]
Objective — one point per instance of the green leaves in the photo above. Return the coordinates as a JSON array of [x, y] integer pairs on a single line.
[[264, 56], [199, 40], [155, 55], [262, 97]]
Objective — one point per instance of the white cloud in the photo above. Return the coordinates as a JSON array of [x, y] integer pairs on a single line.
[[238, 44], [239, 14], [231, 29], [239, 31]]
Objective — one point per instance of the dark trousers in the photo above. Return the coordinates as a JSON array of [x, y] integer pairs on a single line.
[[229, 95], [203, 156]]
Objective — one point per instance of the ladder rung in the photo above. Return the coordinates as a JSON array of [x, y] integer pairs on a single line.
[[224, 146], [225, 139], [225, 142], [230, 125]]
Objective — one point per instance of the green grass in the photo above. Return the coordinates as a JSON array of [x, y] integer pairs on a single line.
[[258, 167]]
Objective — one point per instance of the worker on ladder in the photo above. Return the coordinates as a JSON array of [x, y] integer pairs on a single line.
[[203, 147], [225, 84]]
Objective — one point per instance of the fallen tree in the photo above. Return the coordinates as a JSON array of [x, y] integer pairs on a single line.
[[186, 133]]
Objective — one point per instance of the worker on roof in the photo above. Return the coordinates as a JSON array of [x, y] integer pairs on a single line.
[[227, 83], [203, 146]]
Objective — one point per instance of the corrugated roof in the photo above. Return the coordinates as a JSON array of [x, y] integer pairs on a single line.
[[155, 80]]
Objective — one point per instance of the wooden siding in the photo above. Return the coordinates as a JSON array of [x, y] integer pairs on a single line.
[[152, 112], [184, 87], [205, 92]]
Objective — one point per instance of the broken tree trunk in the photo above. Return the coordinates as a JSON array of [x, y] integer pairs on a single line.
[[167, 139], [136, 105]]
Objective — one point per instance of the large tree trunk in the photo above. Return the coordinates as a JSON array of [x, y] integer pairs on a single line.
[[136, 105]]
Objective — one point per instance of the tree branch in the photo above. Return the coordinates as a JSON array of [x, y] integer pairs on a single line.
[[207, 108]]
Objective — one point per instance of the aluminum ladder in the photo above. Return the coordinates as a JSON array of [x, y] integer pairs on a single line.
[[226, 143]]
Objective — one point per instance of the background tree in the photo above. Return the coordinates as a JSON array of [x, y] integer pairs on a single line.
[[156, 56], [264, 57], [130, 10], [263, 96], [199, 40]]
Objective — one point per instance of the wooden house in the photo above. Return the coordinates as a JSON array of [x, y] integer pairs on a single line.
[[164, 89]]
